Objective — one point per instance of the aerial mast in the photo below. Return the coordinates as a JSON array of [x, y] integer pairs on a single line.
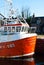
[[11, 11]]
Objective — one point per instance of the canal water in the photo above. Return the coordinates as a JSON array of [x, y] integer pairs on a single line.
[[36, 60]]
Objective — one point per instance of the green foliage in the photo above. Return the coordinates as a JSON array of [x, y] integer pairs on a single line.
[[28, 20]]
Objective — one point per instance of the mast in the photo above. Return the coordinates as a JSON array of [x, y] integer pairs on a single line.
[[11, 11]]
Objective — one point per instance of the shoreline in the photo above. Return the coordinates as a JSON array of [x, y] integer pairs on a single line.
[[40, 36]]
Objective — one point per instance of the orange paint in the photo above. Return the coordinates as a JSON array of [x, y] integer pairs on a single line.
[[18, 47]]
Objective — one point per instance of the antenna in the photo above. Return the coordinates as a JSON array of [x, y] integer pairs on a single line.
[[10, 8], [10, 3]]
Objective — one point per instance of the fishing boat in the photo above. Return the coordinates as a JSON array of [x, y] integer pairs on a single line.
[[15, 38]]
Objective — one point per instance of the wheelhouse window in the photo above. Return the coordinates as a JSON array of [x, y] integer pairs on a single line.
[[27, 28], [5, 29], [18, 28], [22, 28], [13, 29], [9, 29]]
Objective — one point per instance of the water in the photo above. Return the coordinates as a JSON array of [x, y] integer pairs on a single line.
[[37, 60]]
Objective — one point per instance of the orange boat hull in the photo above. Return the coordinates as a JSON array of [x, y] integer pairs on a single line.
[[18, 48]]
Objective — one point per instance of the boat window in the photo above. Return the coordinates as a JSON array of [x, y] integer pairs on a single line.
[[13, 29], [22, 28], [5, 29], [9, 29], [18, 29], [26, 28]]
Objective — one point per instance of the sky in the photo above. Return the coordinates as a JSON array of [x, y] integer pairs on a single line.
[[34, 6]]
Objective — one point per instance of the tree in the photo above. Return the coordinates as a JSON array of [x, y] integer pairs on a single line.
[[25, 13]]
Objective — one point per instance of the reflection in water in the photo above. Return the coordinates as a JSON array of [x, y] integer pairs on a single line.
[[38, 60], [29, 61]]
